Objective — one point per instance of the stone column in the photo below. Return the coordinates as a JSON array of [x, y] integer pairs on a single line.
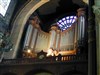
[[97, 3], [96, 9], [91, 41]]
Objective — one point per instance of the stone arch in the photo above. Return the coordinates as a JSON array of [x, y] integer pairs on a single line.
[[9, 73], [39, 72], [19, 22], [73, 72]]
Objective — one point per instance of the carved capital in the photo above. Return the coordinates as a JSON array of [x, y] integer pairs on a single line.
[[81, 11], [96, 10], [54, 27], [58, 31]]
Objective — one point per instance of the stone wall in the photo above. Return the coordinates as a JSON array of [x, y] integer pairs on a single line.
[[5, 20]]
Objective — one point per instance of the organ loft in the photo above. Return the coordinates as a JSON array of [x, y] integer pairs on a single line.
[[66, 37], [49, 37]]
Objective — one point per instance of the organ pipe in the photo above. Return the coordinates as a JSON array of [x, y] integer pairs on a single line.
[[52, 37], [65, 40], [76, 36], [33, 38], [73, 36], [28, 36], [68, 40], [81, 25], [57, 40]]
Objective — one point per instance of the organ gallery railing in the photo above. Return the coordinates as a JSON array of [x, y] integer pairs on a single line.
[[52, 59]]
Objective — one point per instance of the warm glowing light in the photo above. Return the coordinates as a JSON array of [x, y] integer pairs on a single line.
[[28, 51], [56, 53], [65, 52], [50, 52]]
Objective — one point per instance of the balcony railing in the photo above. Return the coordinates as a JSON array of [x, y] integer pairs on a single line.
[[52, 59]]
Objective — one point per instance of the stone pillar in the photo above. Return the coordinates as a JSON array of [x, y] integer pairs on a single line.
[[91, 41], [97, 3], [96, 9]]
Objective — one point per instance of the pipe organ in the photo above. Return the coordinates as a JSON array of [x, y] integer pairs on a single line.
[[28, 35], [81, 26], [53, 37], [62, 41]]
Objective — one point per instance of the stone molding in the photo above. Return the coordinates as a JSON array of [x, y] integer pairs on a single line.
[[96, 10]]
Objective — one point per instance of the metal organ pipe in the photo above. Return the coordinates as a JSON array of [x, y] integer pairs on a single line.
[[52, 37], [79, 28], [28, 36], [57, 40], [75, 35], [81, 25], [33, 38], [68, 40]]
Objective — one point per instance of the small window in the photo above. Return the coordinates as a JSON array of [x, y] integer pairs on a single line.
[[66, 22], [4, 6]]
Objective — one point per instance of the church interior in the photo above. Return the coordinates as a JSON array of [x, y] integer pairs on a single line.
[[49, 37]]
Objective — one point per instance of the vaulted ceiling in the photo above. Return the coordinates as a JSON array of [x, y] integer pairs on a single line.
[[54, 9]]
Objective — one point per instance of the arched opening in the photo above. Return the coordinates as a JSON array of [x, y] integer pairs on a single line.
[[73, 72], [19, 23], [39, 72], [21, 20]]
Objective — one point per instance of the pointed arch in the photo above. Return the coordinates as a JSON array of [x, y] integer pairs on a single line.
[[19, 22], [73, 72], [39, 72]]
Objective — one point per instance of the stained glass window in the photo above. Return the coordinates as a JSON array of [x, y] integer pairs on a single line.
[[66, 22], [4, 6]]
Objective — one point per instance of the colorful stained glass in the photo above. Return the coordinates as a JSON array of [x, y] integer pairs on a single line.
[[4, 6], [66, 22]]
